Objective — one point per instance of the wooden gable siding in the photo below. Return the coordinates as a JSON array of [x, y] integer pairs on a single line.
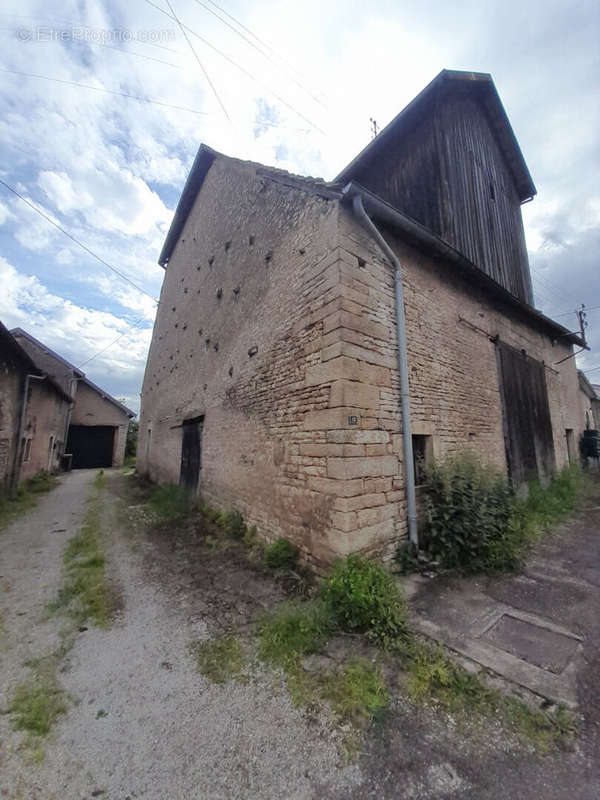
[[482, 213], [444, 168]]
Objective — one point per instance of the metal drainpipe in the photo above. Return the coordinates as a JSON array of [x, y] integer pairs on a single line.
[[20, 447], [409, 470]]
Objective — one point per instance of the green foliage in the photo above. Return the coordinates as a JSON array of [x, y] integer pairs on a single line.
[[357, 693], [294, 630], [406, 558], [36, 705], [170, 501], [433, 676], [131, 441], [233, 524], [282, 554], [220, 659], [364, 598], [475, 522], [86, 592], [13, 503]]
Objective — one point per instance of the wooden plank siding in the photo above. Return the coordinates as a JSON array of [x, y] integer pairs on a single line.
[[443, 166]]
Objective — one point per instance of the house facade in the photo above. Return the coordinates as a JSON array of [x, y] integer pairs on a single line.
[[34, 415], [273, 384], [97, 424]]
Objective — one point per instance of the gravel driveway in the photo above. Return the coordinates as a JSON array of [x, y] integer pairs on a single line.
[[142, 722]]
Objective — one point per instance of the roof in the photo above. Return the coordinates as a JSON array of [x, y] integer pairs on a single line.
[[76, 372], [8, 341], [481, 86], [205, 157]]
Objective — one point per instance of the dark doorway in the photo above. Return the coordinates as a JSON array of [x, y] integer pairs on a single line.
[[191, 453], [91, 445], [527, 423]]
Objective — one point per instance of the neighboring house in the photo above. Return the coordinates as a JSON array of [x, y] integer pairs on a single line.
[[34, 414], [273, 381], [589, 402], [97, 429], [596, 406]]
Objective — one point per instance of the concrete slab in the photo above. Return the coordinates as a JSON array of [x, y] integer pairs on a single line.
[[535, 644]]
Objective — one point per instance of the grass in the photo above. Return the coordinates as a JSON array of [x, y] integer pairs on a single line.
[[86, 592], [357, 693], [282, 554], [14, 503], [220, 659], [170, 501], [434, 678], [37, 703], [294, 630]]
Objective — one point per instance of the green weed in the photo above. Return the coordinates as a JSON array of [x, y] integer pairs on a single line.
[[13, 503], [357, 693], [294, 630], [170, 501], [37, 704], [220, 659], [364, 598], [282, 554]]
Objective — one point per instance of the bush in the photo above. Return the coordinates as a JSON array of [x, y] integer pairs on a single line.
[[282, 554], [364, 598], [474, 521], [233, 524]]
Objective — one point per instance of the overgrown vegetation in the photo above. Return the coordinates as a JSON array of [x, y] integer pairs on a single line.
[[170, 501], [220, 659], [282, 554], [295, 630], [357, 693], [364, 598], [434, 677], [474, 521], [86, 592], [37, 704], [14, 502]]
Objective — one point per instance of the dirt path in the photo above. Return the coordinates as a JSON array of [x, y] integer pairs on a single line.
[[143, 722]]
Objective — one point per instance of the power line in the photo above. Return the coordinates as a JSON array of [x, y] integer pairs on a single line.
[[552, 286], [77, 242], [102, 89], [587, 371], [200, 64], [252, 44], [244, 71], [108, 346]]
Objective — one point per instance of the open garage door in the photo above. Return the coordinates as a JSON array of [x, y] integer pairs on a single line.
[[91, 445]]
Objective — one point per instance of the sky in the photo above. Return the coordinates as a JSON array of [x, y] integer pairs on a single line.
[[288, 84]]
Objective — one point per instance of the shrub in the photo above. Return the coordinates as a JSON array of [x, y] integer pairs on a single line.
[[282, 554], [474, 521], [233, 524], [406, 558], [364, 598]]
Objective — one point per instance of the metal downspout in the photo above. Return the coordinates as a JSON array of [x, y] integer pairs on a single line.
[[409, 470]]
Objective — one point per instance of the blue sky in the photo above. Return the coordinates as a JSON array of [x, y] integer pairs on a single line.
[[110, 169]]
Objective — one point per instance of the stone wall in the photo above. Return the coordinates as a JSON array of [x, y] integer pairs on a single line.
[[45, 426], [276, 323], [12, 376]]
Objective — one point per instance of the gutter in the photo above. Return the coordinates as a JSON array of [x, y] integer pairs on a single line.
[[420, 236], [409, 469]]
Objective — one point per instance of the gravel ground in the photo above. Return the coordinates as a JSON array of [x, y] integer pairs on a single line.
[[164, 731]]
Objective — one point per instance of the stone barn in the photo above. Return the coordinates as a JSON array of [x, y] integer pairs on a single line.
[[98, 423], [316, 342], [34, 416]]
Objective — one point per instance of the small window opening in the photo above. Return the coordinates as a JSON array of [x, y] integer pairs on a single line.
[[422, 456]]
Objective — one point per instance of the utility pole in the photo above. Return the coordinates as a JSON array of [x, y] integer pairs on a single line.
[[374, 127], [582, 317]]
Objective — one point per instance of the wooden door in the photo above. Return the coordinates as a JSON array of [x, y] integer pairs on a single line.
[[527, 424], [191, 453]]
